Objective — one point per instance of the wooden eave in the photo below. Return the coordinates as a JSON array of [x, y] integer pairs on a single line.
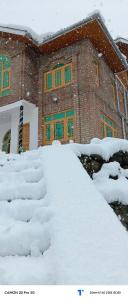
[[93, 31]]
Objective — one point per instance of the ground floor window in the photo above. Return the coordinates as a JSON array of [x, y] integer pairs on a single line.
[[59, 127], [6, 142], [108, 127]]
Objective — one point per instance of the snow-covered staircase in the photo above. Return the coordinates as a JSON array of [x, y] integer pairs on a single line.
[[24, 216], [55, 227]]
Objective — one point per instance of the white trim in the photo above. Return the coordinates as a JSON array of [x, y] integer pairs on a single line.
[[13, 30], [15, 105], [30, 116]]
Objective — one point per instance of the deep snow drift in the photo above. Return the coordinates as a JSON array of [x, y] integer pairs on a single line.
[[55, 227]]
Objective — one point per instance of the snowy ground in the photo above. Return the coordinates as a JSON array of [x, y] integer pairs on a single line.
[[55, 227]]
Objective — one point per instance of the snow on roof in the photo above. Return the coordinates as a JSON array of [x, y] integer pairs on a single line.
[[13, 30], [121, 40], [24, 31]]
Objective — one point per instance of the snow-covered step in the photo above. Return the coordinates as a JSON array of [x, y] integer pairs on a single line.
[[20, 238], [27, 175], [24, 220], [18, 190], [22, 210]]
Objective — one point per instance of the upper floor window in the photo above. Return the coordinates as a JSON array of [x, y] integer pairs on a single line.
[[97, 66], [114, 95], [60, 76], [108, 127], [121, 101], [96, 72], [5, 69]]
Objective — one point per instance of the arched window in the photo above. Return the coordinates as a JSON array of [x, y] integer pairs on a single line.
[[6, 142], [5, 69]]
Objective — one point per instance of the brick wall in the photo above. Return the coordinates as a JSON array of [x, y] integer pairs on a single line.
[[14, 50], [88, 99]]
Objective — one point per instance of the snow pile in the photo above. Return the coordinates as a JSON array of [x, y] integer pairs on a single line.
[[112, 182], [105, 148], [89, 243], [55, 227]]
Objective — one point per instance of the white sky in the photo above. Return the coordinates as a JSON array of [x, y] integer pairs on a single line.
[[44, 16]]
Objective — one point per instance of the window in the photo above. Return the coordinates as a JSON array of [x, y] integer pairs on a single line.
[[60, 76], [97, 73], [108, 127], [121, 101], [68, 74], [5, 69], [114, 95], [48, 132], [59, 130], [49, 81], [70, 129], [59, 127]]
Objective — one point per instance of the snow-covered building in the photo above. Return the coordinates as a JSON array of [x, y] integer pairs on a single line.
[[71, 86]]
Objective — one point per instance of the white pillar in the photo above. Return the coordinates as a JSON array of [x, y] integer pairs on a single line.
[[34, 128]]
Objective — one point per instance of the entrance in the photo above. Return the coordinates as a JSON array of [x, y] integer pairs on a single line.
[[6, 142]]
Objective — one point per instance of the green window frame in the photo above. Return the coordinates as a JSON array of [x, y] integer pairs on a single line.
[[5, 69], [59, 130], [49, 81], [6, 76], [70, 127], [68, 74], [108, 127], [58, 77], [59, 126], [48, 132]]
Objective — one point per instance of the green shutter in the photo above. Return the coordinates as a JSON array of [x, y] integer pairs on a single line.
[[70, 127], [49, 81], [109, 132], [68, 74], [6, 79], [0, 76], [108, 121], [48, 132], [58, 79], [59, 130], [102, 130]]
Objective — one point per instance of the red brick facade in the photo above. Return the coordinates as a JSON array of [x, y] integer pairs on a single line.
[[84, 95], [87, 99]]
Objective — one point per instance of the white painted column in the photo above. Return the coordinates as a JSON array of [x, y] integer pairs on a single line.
[[34, 128], [14, 130]]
